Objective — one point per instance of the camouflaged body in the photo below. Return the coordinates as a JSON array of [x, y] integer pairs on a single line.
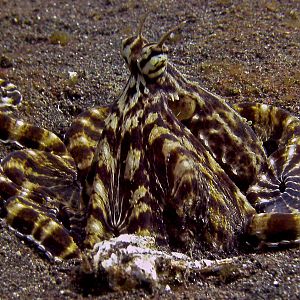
[[158, 175], [167, 159]]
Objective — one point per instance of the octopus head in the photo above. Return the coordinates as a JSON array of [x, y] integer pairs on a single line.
[[148, 59]]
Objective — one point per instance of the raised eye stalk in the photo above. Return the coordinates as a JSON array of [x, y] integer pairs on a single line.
[[167, 35]]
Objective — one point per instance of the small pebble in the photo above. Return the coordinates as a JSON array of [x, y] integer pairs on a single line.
[[275, 283], [168, 288]]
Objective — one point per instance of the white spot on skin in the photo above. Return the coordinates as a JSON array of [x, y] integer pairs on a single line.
[[84, 121], [105, 155], [288, 121], [95, 111], [291, 152], [264, 107], [263, 177], [31, 152], [234, 171], [262, 201], [99, 188], [254, 188], [204, 139], [195, 118], [83, 140], [132, 163], [19, 123], [146, 91]]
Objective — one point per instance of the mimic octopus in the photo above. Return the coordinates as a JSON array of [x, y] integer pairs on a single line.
[[167, 159]]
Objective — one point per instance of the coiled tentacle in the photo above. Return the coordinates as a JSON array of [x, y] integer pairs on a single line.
[[279, 131]]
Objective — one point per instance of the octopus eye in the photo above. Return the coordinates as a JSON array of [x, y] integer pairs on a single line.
[[132, 46], [129, 47], [153, 61]]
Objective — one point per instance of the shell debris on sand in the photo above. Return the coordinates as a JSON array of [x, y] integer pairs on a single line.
[[132, 261]]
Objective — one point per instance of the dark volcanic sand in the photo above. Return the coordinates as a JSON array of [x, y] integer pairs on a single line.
[[243, 50]]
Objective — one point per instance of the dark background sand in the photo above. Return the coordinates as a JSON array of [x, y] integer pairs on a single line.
[[243, 50]]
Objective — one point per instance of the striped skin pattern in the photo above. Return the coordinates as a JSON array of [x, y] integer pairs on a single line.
[[167, 159], [10, 96], [38, 184]]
